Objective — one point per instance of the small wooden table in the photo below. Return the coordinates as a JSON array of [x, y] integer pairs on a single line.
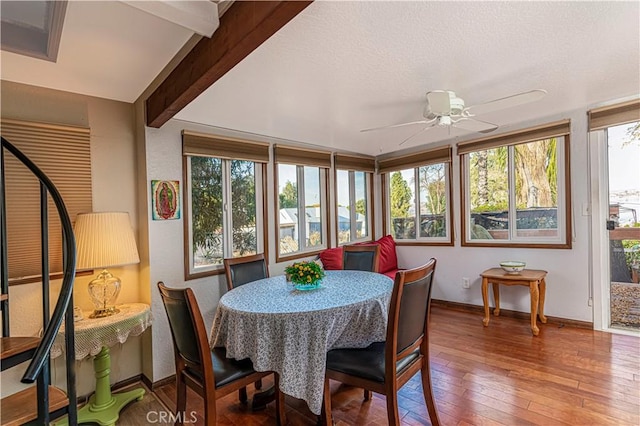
[[534, 279]]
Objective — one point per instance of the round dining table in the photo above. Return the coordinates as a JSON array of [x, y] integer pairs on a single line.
[[289, 331]]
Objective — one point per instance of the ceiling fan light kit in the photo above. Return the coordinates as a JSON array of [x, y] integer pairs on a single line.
[[445, 109]]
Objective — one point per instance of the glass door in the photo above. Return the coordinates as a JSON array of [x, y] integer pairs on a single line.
[[623, 225]]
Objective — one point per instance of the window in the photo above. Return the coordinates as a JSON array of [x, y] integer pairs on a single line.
[[515, 188], [353, 196], [418, 197], [64, 155], [224, 201], [301, 179]]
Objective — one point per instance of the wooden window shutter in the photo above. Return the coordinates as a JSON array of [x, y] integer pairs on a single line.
[[204, 145], [614, 115], [301, 156], [538, 133], [63, 154], [355, 162], [422, 158]]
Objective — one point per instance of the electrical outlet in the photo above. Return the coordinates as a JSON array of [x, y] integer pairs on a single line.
[[465, 282]]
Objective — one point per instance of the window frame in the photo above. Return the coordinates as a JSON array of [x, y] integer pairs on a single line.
[[351, 175], [300, 158], [560, 129], [226, 150], [441, 155], [352, 164]]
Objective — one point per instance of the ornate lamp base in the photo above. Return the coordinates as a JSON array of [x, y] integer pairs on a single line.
[[104, 312]]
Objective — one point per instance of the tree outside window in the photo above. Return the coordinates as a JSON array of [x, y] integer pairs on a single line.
[[419, 203], [513, 191], [224, 215]]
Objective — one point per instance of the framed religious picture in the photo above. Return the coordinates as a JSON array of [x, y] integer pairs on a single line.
[[165, 199]]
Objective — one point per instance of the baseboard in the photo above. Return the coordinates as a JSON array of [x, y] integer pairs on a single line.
[[126, 382], [465, 307], [155, 385]]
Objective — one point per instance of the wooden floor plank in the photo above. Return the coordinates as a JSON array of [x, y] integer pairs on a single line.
[[495, 375]]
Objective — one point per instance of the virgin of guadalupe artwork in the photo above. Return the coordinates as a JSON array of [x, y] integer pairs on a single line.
[[165, 196]]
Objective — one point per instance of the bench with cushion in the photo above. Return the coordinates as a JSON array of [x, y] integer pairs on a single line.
[[387, 262]]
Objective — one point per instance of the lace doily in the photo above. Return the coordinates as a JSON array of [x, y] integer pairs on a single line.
[[91, 334]]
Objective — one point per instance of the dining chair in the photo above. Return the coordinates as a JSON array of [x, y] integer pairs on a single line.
[[384, 367], [207, 371], [361, 257], [241, 270]]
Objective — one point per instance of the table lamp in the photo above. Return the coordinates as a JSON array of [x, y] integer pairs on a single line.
[[104, 240]]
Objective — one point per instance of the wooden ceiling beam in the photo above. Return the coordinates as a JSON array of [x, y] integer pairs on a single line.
[[244, 27]]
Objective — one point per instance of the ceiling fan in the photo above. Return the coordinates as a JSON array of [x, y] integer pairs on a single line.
[[445, 109]]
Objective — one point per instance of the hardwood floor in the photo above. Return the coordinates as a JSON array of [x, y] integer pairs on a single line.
[[500, 374]]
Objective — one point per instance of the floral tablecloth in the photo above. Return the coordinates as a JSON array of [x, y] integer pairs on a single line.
[[290, 331], [91, 334]]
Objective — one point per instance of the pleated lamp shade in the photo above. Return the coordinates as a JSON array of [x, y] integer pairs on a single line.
[[104, 240]]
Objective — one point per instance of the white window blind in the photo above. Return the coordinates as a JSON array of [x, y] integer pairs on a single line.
[[63, 154]]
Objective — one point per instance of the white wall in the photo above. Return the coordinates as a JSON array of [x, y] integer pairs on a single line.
[[113, 184], [165, 246]]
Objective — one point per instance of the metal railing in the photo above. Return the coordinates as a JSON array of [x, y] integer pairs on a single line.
[[38, 368]]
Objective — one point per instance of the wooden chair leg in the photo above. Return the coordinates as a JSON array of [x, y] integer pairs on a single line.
[[392, 409], [368, 395], [281, 415], [181, 398], [242, 395], [427, 390], [210, 412], [258, 384], [325, 415]]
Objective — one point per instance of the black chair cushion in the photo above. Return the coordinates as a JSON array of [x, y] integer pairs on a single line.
[[226, 370], [367, 363]]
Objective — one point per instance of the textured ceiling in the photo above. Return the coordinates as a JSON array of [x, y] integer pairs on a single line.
[[339, 67], [108, 49]]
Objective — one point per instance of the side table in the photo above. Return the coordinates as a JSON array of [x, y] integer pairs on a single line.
[[93, 337], [532, 278]]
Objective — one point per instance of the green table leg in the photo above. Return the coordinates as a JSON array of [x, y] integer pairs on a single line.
[[104, 407]]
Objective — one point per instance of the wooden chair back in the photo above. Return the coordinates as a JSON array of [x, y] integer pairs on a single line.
[[241, 270], [361, 257], [196, 362], [188, 332], [407, 327], [404, 352]]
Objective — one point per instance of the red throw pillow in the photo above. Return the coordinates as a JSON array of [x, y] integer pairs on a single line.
[[331, 258], [388, 259]]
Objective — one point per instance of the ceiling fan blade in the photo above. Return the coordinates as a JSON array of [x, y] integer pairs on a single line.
[[398, 125], [506, 102], [416, 134], [439, 102], [475, 125]]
